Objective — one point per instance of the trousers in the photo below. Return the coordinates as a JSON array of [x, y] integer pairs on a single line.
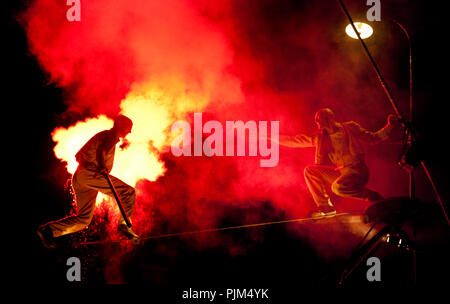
[[86, 184], [346, 182]]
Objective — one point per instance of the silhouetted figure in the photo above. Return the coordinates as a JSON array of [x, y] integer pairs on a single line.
[[94, 158], [339, 159]]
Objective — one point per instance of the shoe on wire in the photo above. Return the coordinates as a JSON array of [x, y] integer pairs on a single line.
[[323, 211], [127, 232]]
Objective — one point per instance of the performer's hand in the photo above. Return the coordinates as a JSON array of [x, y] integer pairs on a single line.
[[393, 119], [103, 171]]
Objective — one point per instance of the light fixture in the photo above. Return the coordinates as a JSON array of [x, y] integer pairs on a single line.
[[365, 30]]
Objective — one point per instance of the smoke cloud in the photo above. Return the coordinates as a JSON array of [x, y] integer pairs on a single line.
[[232, 60]]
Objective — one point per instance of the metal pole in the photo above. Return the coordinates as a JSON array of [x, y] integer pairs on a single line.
[[411, 113], [119, 203], [393, 103], [380, 77]]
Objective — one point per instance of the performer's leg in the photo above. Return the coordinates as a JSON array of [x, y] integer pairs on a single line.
[[85, 199], [99, 183], [317, 178], [352, 183], [127, 195]]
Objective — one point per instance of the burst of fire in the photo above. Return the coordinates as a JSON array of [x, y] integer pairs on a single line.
[[152, 110]]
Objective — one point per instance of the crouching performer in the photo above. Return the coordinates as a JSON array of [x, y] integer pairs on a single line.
[[339, 159]]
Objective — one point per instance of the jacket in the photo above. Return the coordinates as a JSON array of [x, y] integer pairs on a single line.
[[100, 148], [355, 134]]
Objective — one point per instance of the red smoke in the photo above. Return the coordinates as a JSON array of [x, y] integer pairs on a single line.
[[234, 60], [127, 43]]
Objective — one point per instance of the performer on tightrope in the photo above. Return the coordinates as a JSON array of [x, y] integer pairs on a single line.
[[339, 159], [95, 158]]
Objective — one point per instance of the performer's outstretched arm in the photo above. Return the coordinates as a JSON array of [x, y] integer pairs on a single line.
[[373, 137], [297, 141]]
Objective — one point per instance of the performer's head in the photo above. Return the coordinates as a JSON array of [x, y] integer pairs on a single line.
[[325, 119], [122, 125]]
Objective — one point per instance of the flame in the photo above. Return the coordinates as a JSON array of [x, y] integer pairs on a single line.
[[70, 140], [152, 108], [166, 66]]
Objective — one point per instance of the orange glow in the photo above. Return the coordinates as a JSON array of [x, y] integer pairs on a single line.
[[365, 30], [152, 109], [70, 140]]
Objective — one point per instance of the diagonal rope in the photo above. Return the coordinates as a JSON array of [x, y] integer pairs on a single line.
[[435, 191], [185, 233]]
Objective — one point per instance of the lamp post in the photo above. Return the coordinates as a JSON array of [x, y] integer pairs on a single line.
[[409, 139], [365, 31], [372, 61], [410, 133]]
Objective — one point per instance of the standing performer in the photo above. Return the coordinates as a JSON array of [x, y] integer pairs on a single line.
[[339, 159], [95, 158]]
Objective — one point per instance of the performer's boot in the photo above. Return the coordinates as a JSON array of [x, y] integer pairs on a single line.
[[326, 210], [127, 232]]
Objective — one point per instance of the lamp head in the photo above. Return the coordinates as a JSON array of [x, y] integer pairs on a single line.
[[365, 30]]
